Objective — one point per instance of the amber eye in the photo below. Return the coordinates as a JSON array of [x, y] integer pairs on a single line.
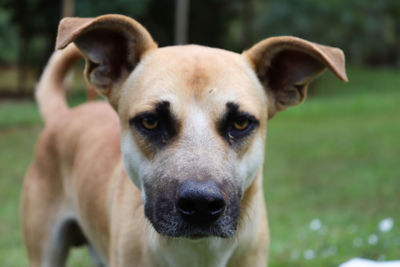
[[150, 122], [241, 123]]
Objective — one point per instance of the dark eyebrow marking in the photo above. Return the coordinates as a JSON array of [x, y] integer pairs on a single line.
[[232, 107], [234, 111], [163, 106]]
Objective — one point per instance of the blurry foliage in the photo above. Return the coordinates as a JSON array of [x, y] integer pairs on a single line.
[[34, 23], [368, 31], [91, 8], [8, 40], [209, 21]]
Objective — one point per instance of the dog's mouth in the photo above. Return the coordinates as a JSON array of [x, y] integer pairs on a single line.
[[195, 237], [194, 210], [173, 225]]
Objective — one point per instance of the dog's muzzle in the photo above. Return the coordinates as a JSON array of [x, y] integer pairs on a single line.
[[193, 209]]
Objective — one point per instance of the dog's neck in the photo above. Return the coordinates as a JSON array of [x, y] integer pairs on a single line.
[[213, 252]]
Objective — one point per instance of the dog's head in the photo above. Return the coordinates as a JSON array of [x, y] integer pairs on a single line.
[[193, 119]]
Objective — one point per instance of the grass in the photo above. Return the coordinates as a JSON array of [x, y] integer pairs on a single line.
[[332, 162], [336, 160]]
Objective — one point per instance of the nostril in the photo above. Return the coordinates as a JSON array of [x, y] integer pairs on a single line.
[[186, 206], [200, 209], [216, 207], [200, 202]]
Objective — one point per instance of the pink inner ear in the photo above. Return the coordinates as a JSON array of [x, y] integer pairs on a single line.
[[292, 68]]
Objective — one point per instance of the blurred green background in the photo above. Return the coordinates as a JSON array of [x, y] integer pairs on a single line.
[[332, 170]]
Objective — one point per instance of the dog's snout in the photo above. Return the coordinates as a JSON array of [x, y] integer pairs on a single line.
[[200, 202]]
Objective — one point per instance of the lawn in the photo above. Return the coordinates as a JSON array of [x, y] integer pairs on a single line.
[[332, 173]]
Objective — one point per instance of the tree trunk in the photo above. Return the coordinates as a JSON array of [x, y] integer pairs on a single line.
[[23, 45], [68, 8], [22, 71], [181, 21], [246, 36]]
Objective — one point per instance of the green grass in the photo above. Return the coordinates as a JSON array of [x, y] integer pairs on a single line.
[[16, 152], [334, 158]]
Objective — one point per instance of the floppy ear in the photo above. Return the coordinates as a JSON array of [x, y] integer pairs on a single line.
[[286, 65], [112, 46]]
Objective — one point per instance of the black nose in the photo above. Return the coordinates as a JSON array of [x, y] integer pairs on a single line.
[[200, 202]]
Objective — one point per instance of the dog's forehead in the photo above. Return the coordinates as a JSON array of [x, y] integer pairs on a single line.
[[186, 74]]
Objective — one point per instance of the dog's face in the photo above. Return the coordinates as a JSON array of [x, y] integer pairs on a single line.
[[193, 119]]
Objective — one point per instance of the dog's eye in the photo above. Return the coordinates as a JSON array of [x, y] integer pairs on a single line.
[[241, 123], [150, 122], [157, 126], [236, 124]]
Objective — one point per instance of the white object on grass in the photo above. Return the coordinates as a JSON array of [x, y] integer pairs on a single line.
[[386, 225], [309, 254], [373, 239], [315, 224], [357, 262]]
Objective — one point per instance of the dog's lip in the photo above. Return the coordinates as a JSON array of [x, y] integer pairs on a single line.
[[197, 236]]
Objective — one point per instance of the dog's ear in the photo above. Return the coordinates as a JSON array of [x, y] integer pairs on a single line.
[[112, 46], [286, 65]]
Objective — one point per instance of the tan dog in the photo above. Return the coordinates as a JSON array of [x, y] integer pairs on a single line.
[[187, 126]]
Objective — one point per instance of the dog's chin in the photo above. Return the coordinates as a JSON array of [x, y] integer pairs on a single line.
[[195, 232]]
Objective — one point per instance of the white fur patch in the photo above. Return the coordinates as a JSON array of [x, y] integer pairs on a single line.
[[251, 162], [134, 161]]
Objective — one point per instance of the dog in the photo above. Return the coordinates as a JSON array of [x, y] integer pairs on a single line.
[[168, 172]]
